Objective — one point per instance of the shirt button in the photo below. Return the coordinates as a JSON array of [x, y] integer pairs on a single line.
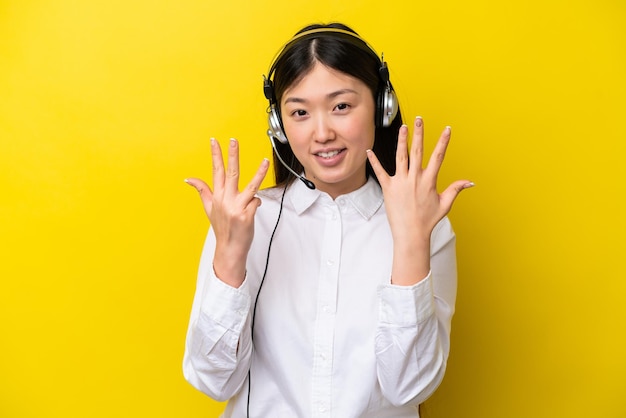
[[330, 262]]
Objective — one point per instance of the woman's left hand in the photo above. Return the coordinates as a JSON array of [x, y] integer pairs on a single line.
[[413, 204]]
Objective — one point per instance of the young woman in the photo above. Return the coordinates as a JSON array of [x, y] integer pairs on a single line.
[[334, 297]]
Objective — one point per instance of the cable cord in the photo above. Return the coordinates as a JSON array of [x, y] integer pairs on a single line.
[[256, 299]]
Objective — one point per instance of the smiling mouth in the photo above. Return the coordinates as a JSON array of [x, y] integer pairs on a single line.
[[329, 154]]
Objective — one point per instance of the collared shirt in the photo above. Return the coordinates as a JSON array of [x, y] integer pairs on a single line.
[[332, 336]]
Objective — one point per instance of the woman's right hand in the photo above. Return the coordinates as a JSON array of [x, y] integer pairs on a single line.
[[230, 212]]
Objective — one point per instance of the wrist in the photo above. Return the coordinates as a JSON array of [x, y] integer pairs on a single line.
[[411, 241], [411, 261], [229, 268]]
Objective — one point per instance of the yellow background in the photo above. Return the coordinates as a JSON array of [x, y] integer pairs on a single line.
[[106, 106]]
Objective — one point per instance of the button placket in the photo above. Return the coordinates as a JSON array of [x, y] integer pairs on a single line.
[[325, 319]]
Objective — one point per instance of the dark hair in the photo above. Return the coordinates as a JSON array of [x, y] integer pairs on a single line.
[[343, 52]]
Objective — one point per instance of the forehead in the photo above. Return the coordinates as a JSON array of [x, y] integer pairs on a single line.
[[323, 80]]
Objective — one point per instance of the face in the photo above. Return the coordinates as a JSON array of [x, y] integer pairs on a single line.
[[328, 117]]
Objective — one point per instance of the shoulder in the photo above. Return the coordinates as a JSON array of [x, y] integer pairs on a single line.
[[270, 201], [271, 197], [266, 214], [271, 194]]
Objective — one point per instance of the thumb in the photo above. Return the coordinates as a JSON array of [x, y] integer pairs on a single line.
[[450, 194], [206, 195], [377, 167]]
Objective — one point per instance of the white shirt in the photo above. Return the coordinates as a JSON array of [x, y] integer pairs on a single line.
[[332, 336]]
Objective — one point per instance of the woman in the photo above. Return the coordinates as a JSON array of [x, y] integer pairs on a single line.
[[334, 298]]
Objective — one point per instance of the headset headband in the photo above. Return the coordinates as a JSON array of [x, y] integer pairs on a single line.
[[311, 33]]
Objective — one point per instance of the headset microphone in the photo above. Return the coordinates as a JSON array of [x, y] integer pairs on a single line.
[[304, 180]]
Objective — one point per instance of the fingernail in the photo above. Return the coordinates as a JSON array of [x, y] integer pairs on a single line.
[[212, 141], [468, 185], [233, 142], [449, 128], [418, 121], [186, 180]]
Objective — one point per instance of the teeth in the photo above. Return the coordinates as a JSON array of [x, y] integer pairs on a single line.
[[328, 154]]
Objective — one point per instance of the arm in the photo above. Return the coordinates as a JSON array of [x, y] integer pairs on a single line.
[[413, 335], [218, 346], [413, 340]]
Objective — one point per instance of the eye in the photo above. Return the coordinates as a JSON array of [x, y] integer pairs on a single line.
[[342, 106], [299, 113]]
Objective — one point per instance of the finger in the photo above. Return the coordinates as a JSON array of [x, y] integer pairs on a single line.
[[449, 195], [379, 170], [439, 153], [254, 204], [231, 184], [218, 165], [402, 154], [255, 184], [417, 145], [206, 195]]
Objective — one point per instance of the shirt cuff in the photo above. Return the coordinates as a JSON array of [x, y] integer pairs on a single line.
[[406, 305], [226, 305]]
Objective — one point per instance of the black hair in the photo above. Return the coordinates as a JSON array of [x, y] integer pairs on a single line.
[[343, 53]]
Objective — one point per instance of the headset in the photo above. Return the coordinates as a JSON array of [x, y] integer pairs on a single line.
[[386, 100]]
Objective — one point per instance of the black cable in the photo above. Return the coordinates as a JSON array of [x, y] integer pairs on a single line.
[[267, 262]]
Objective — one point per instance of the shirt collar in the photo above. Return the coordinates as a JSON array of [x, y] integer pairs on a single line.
[[366, 200]]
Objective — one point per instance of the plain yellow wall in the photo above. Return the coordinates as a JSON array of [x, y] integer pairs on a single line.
[[106, 106]]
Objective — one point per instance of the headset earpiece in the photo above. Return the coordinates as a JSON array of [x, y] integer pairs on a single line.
[[387, 103], [273, 118], [275, 125], [387, 108]]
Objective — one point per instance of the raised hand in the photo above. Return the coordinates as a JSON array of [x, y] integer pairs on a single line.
[[230, 212], [413, 203]]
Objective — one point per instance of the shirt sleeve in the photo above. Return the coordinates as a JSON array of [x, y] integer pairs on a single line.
[[413, 334], [218, 345]]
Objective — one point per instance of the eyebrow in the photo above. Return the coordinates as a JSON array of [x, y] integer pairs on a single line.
[[328, 96]]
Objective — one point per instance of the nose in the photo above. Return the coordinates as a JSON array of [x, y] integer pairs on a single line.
[[323, 130]]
